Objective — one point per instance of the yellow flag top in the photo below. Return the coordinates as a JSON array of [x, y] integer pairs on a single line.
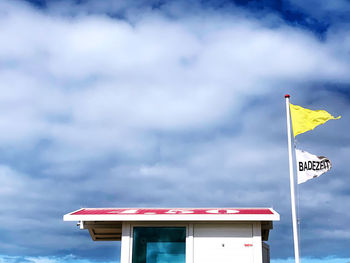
[[304, 120]]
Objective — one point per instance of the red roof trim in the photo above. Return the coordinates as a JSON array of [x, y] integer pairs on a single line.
[[173, 211]]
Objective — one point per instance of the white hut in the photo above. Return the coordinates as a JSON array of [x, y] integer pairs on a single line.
[[182, 235]]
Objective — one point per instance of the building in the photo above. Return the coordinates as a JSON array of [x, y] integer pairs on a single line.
[[182, 235]]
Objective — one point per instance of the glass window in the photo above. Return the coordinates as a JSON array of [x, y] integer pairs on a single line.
[[159, 245]]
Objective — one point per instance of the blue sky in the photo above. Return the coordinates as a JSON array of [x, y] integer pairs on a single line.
[[168, 104]]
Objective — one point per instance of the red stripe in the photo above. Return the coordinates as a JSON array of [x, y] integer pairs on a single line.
[[174, 211]]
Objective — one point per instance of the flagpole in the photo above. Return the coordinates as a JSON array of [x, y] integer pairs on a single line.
[[291, 178]]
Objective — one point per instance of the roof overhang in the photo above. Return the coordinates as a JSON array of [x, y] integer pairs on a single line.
[[105, 224], [103, 231], [173, 214]]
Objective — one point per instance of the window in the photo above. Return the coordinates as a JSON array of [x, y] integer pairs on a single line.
[[159, 245]]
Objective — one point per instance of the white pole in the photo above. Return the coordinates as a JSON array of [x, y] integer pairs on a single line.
[[291, 178]]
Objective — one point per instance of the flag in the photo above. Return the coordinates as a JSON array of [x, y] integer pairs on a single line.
[[310, 166], [304, 120]]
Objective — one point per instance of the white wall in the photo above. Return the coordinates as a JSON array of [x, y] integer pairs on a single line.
[[210, 242], [224, 243]]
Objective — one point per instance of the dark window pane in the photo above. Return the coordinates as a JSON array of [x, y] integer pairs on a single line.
[[159, 245]]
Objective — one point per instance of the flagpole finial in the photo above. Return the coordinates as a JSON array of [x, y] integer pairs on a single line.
[[287, 96]]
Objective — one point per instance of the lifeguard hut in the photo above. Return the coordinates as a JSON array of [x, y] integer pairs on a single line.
[[182, 235]]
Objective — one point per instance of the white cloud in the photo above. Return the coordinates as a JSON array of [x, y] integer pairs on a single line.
[[107, 78], [187, 110]]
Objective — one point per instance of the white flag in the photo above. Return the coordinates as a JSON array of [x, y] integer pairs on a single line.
[[310, 166]]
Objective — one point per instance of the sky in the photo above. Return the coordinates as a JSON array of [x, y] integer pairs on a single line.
[[168, 104]]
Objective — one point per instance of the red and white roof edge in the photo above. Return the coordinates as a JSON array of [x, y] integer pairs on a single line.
[[173, 214]]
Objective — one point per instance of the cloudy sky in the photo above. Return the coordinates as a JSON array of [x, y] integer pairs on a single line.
[[168, 104]]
